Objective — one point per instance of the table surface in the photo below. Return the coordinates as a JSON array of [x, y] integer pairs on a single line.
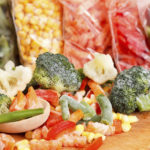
[[137, 139]]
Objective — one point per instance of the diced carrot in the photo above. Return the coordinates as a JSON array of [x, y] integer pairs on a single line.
[[19, 102], [83, 84], [118, 126], [76, 116], [96, 88], [32, 100]]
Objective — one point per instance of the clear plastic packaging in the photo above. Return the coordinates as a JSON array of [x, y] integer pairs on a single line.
[[39, 28], [128, 38], [86, 27]]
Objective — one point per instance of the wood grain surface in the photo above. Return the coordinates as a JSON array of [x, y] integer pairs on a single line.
[[137, 139]]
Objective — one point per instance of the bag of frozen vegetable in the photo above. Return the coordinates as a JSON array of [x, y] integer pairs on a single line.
[[129, 41], [86, 27], [8, 48], [38, 26], [144, 14]]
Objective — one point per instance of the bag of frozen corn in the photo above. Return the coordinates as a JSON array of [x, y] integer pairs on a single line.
[[38, 26], [8, 47], [85, 28]]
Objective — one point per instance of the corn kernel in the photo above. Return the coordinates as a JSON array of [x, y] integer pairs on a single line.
[[80, 128], [22, 145], [114, 116], [90, 137], [85, 134], [126, 127], [22, 34], [58, 108], [132, 119], [20, 15], [125, 118], [29, 8]]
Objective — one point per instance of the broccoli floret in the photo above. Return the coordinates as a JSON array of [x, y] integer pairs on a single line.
[[56, 72], [127, 86], [5, 102]]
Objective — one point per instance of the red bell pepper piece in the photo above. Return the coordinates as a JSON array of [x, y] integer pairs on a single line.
[[49, 95], [118, 126], [54, 118], [83, 84], [95, 144], [98, 109], [60, 128]]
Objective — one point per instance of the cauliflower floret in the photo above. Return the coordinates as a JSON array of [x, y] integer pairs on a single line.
[[100, 69], [14, 79]]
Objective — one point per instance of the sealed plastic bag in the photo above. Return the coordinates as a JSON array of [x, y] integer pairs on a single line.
[[144, 14], [129, 42], [8, 47], [86, 27], [39, 27]]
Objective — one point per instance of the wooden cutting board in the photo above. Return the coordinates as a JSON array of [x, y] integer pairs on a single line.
[[137, 139]]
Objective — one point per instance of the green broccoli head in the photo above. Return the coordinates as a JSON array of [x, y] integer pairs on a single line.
[[127, 86], [5, 102], [56, 72]]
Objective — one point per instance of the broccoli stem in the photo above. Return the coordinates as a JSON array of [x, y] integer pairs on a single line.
[[143, 102]]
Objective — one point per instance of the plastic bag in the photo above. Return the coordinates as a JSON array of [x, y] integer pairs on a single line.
[[144, 14], [129, 42], [39, 28], [8, 47], [86, 27]]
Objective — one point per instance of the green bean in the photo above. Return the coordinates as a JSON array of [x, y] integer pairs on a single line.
[[65, 109], [75, 105], [106, 109], [20, 115]]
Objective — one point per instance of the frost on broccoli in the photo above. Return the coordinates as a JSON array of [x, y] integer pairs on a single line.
[[100, 69], [56, 72], [127, 86], [5, 102]]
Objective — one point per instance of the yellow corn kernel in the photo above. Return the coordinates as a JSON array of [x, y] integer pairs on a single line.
[[85, 134], [132, 119], [37, 11], [19, 8], [126, 127], [91, 137], [58, 108], [97, 135], [34, 44], [29, 8], [18, 23], [114, 116], [19, 15], [125, 118], [28, 135], [24, 2], [22, 34], [80, 128], [57, 33], [22, 145], [119, 116]]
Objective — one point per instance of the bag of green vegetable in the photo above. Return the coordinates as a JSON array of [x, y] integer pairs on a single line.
[[8, 48]]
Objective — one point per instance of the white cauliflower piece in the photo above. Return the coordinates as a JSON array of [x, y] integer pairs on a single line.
[[14, 79], [100, 69]]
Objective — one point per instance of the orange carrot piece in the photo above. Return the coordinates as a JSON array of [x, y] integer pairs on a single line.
[[76, 116], [96, 88], [19, 102], [32, 100]]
